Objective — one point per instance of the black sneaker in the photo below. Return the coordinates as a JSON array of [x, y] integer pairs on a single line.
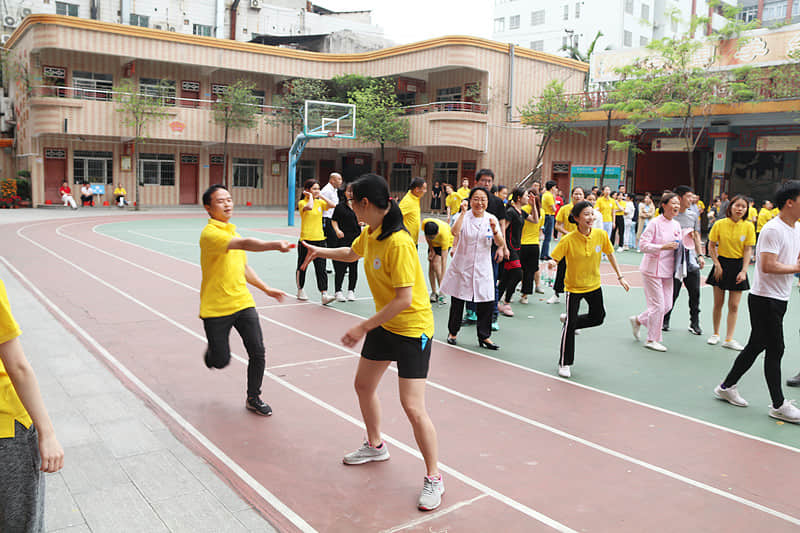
[[695, 330], [665, 327], [258, 407]]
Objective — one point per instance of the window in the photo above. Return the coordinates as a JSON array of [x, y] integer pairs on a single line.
[[537, 17], [775, 11], [157, 169], [499, 25], [643, 41], [565, 42], [400, 177], [407, 99], [63, 8], [449, 94], [566, 12], [201, 29], [93, 167], [162, 89], [627, 38], [260, 100], [446, 172], [93, 86], [247, 172], [748, 14], [140, 20], [513, 22], [645, 12], [577, 10], [537, 45], [629, 7]]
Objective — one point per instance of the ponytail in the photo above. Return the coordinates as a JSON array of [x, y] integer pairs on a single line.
[[374, 188], [392, 221]]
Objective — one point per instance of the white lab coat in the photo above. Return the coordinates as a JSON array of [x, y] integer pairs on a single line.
[[469, 275]]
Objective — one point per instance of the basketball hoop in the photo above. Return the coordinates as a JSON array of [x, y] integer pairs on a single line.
[[333, 133]]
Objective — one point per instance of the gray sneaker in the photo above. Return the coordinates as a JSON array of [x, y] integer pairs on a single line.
[[431, 496], [366, 454]]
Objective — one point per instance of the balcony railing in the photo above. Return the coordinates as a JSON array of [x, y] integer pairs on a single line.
[[435, 107]]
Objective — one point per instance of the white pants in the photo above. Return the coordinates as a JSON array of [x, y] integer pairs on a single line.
[[68, 199]]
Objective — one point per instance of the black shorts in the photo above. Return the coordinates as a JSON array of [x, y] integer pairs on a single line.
[[438, 250], [413, 354]]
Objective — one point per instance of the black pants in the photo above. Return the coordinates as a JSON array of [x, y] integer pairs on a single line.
[[330, 234], [483, 310], [561, 271], [619, 230], [595, 317], [692, 284], [319, 266], [529, 256], [342, 268], [509, 279], [218, 331], [766, 335]]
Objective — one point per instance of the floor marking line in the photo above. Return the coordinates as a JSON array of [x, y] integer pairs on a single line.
[[434, 515], [262, 491], [529, 421], [301, 363], [395, 442], [168, 241]]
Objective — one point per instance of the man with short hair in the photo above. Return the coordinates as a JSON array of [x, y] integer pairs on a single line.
[[778, 253], [440, 241], [549, 212], [723, 205], [409, 205], [330, 193], [225, 301], [463, 192], [690, 228]]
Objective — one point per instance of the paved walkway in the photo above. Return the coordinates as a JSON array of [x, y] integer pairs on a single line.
[[123, 468]]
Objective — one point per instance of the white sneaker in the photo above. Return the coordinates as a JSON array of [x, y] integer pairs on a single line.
[[523, 299], [301, 295], [788, 411], [433, 297], [563, 317], [730, 395], [366, 454], [620, 249], [327, 298], [538, 290], [351, 296], [563, 371], [733, 345], [713, 339], [554, 299], [635, 325], [655, 346], [340, 296], [431, 496]]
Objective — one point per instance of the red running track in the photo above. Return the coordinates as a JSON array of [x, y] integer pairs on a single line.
[[521, 451]]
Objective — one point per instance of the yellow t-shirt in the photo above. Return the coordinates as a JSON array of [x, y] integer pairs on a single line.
[[583, 259], [454, 202], [764, 216], [463, 192], [412, 215], [775, 212], [530, 231], [548, 203], [619, 211], [443, 239], [311, 219], [752, 214], [223, 290], [605, 206], [563, 217], [11, 408], [732, 237], [701, 205], [390, 264], [120, 191]]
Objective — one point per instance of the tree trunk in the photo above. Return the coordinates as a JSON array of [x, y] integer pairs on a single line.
[[136, 201], [690, 153], [383, 162], [605, 150], [225, 159]]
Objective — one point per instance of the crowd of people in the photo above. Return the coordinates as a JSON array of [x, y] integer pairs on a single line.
[[88, 194]]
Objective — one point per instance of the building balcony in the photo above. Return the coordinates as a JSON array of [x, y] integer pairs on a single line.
[[457, 124]]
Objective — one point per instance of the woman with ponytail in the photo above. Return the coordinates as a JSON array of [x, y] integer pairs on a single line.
[[511, 268], [401, 330]]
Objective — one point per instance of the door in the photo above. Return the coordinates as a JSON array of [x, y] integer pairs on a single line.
[[190, 90], [326, 167], [561, 173], [216, 169], [190, 171], [55, 172], [354, 166]]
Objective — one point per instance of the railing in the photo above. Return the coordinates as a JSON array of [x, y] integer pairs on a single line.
[[434, 107]]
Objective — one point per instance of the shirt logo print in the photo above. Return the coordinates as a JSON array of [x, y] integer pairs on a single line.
[[597, 249], [376, 264]]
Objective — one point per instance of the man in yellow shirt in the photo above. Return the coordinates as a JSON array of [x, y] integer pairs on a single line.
[[452, 202], [409, 205], [764, 215], [225, 301], [605, 204], [120, 195], [28, 443], [463, 192], [549, 212], [440, 240]]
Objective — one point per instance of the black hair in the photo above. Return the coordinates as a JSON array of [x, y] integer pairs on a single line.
[[375, 189], [680, 190], [501, 187], [484, 172], [476, 189], [577, 209], [416, 182], [310, 183], [665, 198], [516, 194], [431, 229], [729, 210], [575, 189], [494, 189], [341, 195], [210, 192], [549, 185], [790, 190]]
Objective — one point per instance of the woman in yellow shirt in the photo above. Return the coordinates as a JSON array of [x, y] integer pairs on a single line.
[[730, 244], [564, 227], [529, 251], [452, 203], [401, 329], [582, 249], [311, 208]]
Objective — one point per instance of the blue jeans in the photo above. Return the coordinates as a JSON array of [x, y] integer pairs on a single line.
[[549, 223]]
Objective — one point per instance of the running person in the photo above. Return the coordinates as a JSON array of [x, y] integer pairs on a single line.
[[730, 243], [440, 241], [582, 249], [564, 227], [225, 301], [529, 249], [312, 207], [452, 203], [400, 330]]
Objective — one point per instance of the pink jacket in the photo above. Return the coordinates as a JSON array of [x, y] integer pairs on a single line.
[[657, 262]]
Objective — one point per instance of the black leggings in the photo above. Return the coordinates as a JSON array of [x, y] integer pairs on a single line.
[[351, 269], [529, 256], [509, 279], [594, 317], [561, 271], [319, 266], [619, 229], [218, 331], [766, 335], [483, 310]]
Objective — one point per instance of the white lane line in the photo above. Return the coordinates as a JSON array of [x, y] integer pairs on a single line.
[[395, 442], [521, 418], [268, 497], [524, 368], [168, 241], [277, 306], [315, 361], [435, 515]]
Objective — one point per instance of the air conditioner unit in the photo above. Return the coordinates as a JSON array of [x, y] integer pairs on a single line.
[[9, 22], [172, 28], [255, 4]]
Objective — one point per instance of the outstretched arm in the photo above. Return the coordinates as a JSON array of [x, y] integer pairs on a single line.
[[345, 254], [253, 279], [250, 244]]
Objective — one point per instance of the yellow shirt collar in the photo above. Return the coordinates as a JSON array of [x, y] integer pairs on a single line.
[[230, 228]]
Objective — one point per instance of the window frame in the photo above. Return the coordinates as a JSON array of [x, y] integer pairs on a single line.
[[540, 47], [538, 17], [253, 170], [162, 163], [628, 7], [139, 20], [83, 158], [645, 12], [500, 25], [153, 87], [67, 8], [92, 81], [203, 28], [627, 38], [565, 14], [511, 22], [446, 172]]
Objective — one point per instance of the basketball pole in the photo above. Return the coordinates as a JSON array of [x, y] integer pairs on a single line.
[[295, 152]]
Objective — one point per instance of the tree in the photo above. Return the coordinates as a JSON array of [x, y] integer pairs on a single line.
[[138, 111], [379, 116], [293, 103], [550, 115], [586, 57], [342, 86], [236, 108]]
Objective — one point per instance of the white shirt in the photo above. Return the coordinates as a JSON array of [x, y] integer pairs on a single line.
[[469, 275], [330, 195], [598, 219], [86, 190], [783, 240]]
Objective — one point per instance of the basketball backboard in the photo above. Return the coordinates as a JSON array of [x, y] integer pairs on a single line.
[[329, 119]]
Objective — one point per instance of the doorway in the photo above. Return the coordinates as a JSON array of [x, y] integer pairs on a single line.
[[55, 172], [189, 176]]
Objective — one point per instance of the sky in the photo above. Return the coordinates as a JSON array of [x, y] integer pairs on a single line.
[[407, 21]]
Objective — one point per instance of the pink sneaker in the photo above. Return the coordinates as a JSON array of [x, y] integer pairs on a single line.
[[505, 308]]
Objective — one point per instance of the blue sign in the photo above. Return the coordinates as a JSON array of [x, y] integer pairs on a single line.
[[588, 176], [98, 189]]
